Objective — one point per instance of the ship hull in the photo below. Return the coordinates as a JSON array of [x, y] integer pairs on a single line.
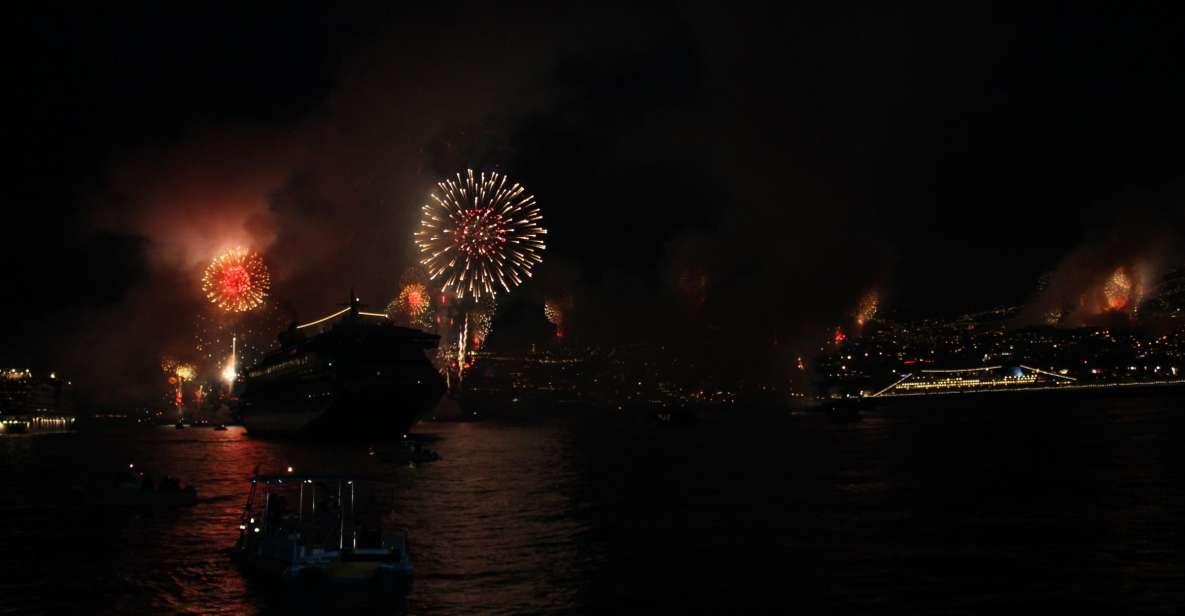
[[385, 414], [355, 382]]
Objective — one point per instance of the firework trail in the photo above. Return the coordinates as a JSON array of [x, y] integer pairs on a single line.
[[479, 234], [236, 281], [463, 332], [462, 346], [253, 334]]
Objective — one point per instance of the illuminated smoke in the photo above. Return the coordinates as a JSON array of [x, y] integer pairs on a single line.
[[693, 285]]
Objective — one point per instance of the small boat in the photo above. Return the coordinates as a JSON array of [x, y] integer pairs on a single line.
[[674, 416], [407, 451], [179, 425], [132, 488], [333, 535], [220, 428]]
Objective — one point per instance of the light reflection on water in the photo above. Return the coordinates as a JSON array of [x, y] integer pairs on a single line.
[[928, 509]]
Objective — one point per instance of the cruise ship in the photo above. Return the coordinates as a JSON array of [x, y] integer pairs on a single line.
[[362, 377]]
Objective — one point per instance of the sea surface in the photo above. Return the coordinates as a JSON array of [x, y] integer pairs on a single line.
[[1074, 504]]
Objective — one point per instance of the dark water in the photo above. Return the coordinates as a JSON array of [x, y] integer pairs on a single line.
[[1000, 508]]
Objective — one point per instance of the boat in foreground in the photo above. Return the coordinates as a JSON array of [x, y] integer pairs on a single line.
[[333, 536]]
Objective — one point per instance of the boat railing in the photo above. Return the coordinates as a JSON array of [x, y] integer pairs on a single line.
[[329, 519]]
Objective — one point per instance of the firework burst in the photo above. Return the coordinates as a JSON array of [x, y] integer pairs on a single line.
[[1118, 289], [236, 281], [480, 234], [412, 307], [414, 298], [867, 308], [556, 311], [185, 371]]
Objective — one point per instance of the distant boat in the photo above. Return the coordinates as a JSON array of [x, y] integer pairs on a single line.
[[674, 416], [135, 489]]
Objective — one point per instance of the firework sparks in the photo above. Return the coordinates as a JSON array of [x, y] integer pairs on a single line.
[[185, 372], [556, 311], [1118, 289], [867, 308], [236, 281], [414, 299], [412, 307], [481, 321], [463, 332], [480, 234], [251, 334]]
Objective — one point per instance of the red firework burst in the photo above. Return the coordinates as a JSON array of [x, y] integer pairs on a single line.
[[236, 281]]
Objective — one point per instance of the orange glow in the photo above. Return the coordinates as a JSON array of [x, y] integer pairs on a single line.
[[1118, 289]]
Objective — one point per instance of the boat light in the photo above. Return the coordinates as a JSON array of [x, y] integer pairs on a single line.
[[252, 520], [289, 469], [256, 529], [242, 527]]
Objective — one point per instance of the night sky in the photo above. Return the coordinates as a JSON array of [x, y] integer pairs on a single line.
[[796, 157]]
